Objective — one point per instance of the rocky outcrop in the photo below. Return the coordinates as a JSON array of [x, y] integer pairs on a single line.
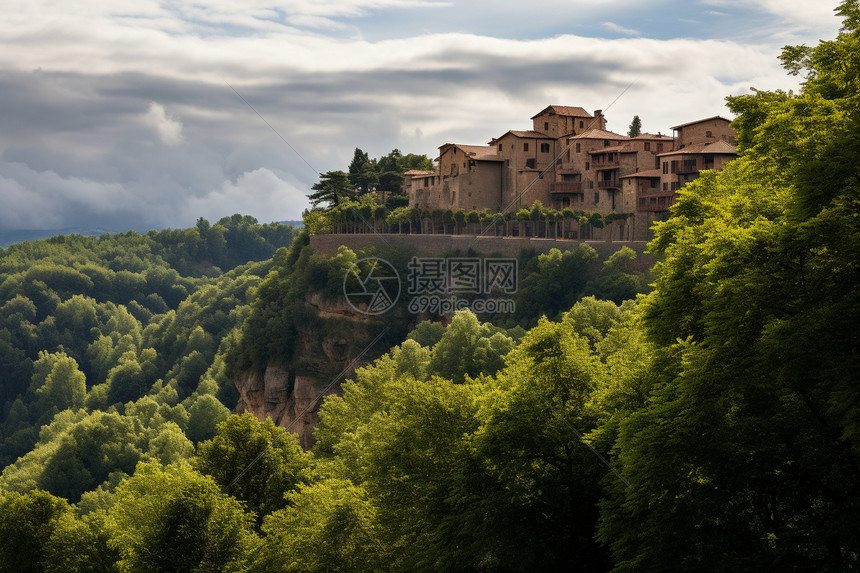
[[291, 401], [291, 394]]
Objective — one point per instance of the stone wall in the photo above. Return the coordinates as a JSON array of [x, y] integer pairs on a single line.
[[434, 245]]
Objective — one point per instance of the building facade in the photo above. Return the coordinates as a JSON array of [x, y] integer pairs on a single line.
[[569, 160]]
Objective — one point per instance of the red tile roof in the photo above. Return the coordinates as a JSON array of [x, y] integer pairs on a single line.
[[702, 120], [419, 172], [718, 147], [599, 134], [651, 136], [565, 110], [530, 133]]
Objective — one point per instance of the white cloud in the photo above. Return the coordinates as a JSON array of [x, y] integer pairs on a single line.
[[613, 27], [168, 130], [78, 125], [259, 193]]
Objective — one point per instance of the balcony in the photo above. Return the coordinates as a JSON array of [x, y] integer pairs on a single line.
[[566, 187], [608, 184], [655, 204], [605, 164], [685, 169]]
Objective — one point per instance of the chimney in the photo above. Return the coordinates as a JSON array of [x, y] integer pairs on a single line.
[[598, 112]]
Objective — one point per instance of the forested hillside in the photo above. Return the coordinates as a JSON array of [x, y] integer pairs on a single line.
[[90, 324], [710, 424]]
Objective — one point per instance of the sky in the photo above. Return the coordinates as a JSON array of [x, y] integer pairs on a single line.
[[126, 114]]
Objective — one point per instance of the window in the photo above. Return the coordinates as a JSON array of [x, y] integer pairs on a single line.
[[665, 186], [464, 165], [544, 147], [530, 162], [540, 175], [587, 165], [500, 147], [525, 146], [546, 126], [426, 182], [665, 167], [591, 184], [605, 143], [709, 134], [597, 197], [647, 146], [578, 148], [581, 124], [507, 162], [659, 148]]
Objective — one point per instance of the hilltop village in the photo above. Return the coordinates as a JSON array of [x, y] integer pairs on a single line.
[[569, 160]]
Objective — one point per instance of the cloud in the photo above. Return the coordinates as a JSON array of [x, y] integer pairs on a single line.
[[117, 115], [168, 130], [613, 27]]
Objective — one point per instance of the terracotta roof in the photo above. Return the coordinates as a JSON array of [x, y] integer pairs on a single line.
[[599, 134], [659, 136], [702, 120], [646, 173], [530, 133], [480, 152], [718, 147], [418, 172], [566, 110], [473, 151]]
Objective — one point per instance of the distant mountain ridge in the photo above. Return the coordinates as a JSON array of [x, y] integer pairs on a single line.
[[8, 238]]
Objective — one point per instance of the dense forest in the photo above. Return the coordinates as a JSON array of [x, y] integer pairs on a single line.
[[709, 422]]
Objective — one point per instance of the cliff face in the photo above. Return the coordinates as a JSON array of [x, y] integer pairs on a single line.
[[291, 393]]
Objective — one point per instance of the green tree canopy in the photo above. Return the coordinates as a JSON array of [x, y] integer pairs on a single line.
[[175, 519], [332, 188]]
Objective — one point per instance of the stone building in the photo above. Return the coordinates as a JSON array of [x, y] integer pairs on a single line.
[[569, 159]]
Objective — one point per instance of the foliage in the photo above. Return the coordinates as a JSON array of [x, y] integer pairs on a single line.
[[635, 127], [255, 462], [333, 188], [745, 454], [27, 521], [174, 519]]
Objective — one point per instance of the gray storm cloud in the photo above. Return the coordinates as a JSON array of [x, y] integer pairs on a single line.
[[128, 123]]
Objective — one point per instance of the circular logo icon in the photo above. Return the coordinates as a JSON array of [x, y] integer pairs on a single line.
[[371, 286]]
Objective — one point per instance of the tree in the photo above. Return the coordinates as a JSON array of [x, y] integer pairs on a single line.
[[331, 190], [329, 526], [257, 461], [57, 382], [469, 348], [539, 510], [635, 127], [175, 519], [746, 453], [362, 172], [81, 545], [27, 521]]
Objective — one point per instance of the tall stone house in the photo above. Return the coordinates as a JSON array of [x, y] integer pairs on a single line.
[[569, 159]]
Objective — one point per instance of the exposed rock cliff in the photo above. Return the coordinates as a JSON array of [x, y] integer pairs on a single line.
[[291, 393]]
